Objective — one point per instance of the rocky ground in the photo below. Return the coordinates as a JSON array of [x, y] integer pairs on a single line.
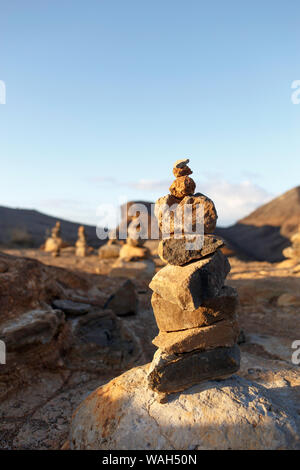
[[41, 386]]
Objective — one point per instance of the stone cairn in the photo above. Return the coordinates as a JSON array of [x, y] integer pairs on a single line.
[[54, 243], [133, 249], [134, 258], [195, 312], [81, 244], [293, 251]]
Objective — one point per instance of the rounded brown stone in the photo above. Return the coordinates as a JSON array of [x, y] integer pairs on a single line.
[[185, 171], [183, 186]]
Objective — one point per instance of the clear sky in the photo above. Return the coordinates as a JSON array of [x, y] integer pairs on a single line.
[[102, 96]]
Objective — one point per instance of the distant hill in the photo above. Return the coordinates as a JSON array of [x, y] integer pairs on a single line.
[[261, 236], [26, 227], [264, 233]]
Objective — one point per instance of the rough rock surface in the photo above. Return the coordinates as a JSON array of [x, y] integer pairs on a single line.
[[170, 317], [188, 286], [183, 186], [36, 414], [289, 300], [41, 309], [125, 300], [181, 168], [32, 328], [28, 285], [185, 171], [232, 414], [143, 269], [174, 251], [181, 163], [223, 333], [169, 223]]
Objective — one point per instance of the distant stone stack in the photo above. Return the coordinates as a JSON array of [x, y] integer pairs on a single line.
[[134, 258], [111, 249], [54, 243], [195, 313], [293, 251], [134, 249], [81, 244]]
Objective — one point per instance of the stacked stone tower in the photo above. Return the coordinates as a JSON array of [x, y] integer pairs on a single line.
[[195, 312], [54, 243], [81, 244], [134, 248]]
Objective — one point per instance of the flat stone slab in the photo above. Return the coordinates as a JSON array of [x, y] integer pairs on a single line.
[[188, 286], [175, 251], [231, 414], [221, 334], [70, 307], [174, 373], [170, 317]]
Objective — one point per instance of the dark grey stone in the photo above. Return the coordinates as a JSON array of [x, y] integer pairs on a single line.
[[184, 370], [71, 308], [175, 251]]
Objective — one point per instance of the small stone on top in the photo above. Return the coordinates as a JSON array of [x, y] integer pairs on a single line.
[[180, 168], [181, 163]]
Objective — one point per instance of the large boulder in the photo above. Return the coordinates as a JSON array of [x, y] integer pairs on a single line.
[[231, 414]]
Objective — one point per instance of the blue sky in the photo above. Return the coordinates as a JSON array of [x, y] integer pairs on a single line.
[[103, 96]]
